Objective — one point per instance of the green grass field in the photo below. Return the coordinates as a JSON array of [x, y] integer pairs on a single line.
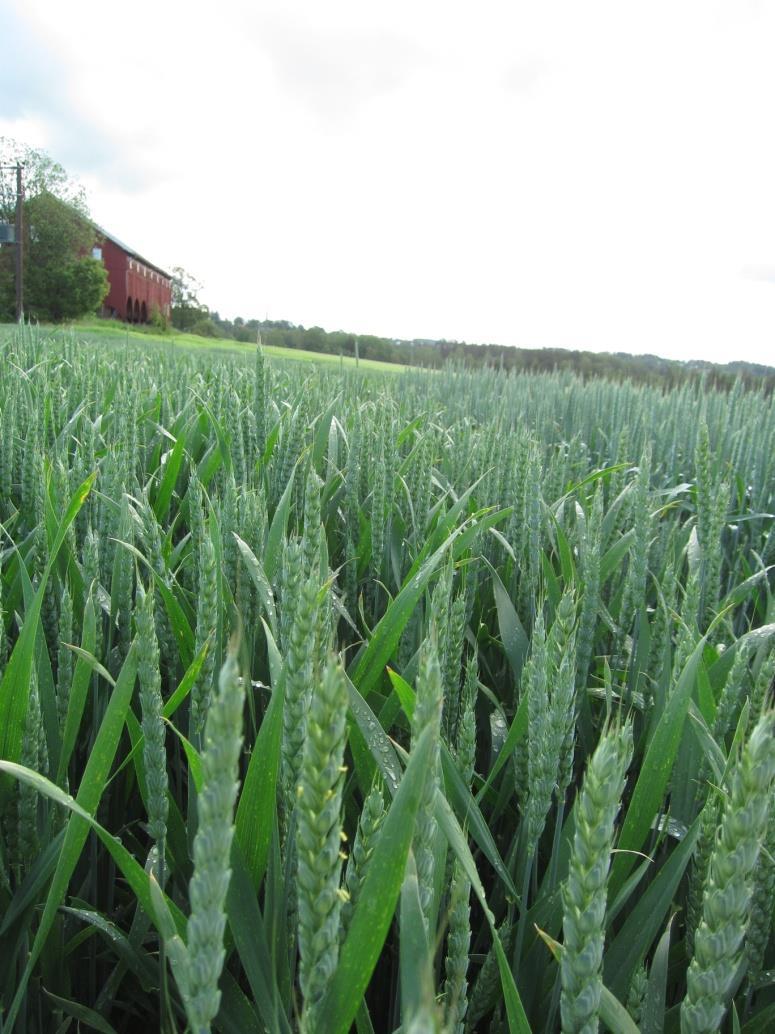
[[94, 330]]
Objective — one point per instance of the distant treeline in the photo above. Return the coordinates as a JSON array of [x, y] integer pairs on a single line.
[[431, 354]]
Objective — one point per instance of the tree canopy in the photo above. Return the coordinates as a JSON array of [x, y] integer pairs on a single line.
[[61, 278], [434, 354], [188, 313]]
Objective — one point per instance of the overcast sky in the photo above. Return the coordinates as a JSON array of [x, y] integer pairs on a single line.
[[580, 174]]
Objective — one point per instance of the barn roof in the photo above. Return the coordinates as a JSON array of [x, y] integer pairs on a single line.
[[131, 251]]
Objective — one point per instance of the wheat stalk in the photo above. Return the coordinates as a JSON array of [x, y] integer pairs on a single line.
[[584, 892], [319, 839], [729, 884]]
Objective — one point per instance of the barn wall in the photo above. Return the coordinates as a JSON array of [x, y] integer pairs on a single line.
[[115, 261], [130, 278], [149, 287]]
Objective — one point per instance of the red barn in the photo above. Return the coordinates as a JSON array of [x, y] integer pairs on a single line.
[[138, 288]]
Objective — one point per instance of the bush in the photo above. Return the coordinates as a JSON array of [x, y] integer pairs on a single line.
[[159, 320], [73, 290], [204, 328]]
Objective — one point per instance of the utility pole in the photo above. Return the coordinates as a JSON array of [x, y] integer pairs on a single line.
[[19, 244], [18, 237]]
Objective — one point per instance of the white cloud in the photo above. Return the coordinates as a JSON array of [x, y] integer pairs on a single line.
[[591, 175]]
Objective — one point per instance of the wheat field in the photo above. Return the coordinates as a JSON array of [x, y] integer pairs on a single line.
[[430, 702]]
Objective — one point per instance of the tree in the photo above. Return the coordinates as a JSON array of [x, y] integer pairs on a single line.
[[41, 173], [62, 280], [187, 310], [75, 289], [205, 327]]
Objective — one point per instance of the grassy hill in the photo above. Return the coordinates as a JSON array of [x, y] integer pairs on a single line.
[[95, 330], [336, 349]]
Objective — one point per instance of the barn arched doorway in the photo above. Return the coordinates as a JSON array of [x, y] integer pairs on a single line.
[[130, 312], [137, 311], [143, 313]]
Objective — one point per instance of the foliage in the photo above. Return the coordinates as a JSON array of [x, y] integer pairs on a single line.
[[188, 313], [67, 291], [41, 174], [61, 279], [643, 369], [203, 327], [160, 322], [490, 747]]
